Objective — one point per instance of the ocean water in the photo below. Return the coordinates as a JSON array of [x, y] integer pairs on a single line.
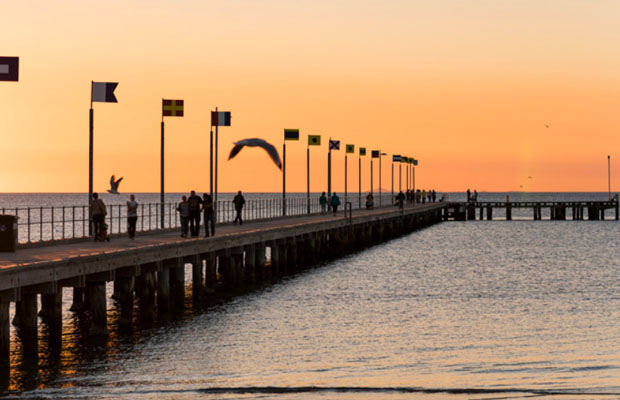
[[476, 310]]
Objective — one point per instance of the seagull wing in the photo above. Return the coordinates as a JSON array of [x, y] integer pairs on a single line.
[[235, 150], [112, 179], [273, 153]]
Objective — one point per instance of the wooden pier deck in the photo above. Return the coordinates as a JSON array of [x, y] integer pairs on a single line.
[[152, 266]]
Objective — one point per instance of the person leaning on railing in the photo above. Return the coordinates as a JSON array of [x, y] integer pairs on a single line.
[[97, 214]]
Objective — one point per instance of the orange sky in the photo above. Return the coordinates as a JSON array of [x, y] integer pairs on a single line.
[[465, 87]]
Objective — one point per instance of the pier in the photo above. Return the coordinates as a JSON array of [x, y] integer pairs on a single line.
[[149, 272], [579, 210]]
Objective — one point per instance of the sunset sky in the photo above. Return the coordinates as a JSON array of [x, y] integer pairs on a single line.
[[466, 87]]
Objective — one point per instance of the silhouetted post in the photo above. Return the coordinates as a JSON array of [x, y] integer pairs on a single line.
[[359, 178], [392, 179], [211, 163], [284, 179], [345, 178], [161, 195], [400, 180], [380, 154], [216, 148], [90, 159], [371, 176], [308, 177], [608, 178], [329, 173]]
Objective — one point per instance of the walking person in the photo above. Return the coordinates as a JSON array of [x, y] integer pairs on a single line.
[[323, 203], [239, 202], [194, 213], [132, 216], [370, 201], [423, 196], [97, 214], [400, 199], [468, 195], [334, 202], [208, 213], [183, 209]]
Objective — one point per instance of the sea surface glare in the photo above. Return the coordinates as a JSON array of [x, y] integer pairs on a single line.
[[475, 310]]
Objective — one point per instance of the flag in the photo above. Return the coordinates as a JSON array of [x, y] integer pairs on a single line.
[[291, 134], [9, 69], [172, 108], [314, 140], [404, 159], [350, 148], [104, 92], [362, 151], [334, 144], [396, 158], [220, 118], [375, 154], [415, 162]]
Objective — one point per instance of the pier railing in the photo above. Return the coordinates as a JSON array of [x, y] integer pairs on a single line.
[[43, 224]]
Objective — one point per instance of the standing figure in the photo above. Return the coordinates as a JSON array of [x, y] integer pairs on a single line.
[[468, 195], [132, 216], [194, 213], [97, 215], [323, 203], [239, 202], [434, 195], [370, 201], [335, 202], [400, 199], [183, 209], [475, 195], [209, 214], [423, 196]]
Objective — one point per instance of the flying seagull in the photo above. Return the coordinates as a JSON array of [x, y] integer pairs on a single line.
[[114, 184], [273, 153], [546, 125]]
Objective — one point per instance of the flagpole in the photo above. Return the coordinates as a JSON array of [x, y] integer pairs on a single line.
[[284, 178], [161, 196], [359, 177], [308, 177], [392, 180], [345, 177], [608, 178], [329, 172], [216, 147], [380, 178], [407, 175], [400, 179], [90, 155], [211, 163], [371, 174]]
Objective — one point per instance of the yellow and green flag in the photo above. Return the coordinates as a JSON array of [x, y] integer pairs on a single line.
[[350, 148], [314, 140], [362, 151]]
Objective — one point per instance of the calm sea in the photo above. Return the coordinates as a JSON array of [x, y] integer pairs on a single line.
[[476, 310]]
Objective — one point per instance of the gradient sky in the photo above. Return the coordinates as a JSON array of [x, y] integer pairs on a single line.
[[466, 87]]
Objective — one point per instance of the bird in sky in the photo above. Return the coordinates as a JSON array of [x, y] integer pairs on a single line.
[[546, 126], [114, 184], [529, 177], [273, 153]]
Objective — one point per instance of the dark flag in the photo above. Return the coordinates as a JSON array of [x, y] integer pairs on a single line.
[[9, 69], [291, 134], [350, 148], [375, 154], [172, 108], [362, 151], [220, 118], [396, 158], [104, 92]]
